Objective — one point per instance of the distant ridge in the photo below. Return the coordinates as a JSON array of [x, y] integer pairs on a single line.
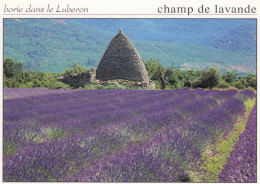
[[242, 38], [51, 45]]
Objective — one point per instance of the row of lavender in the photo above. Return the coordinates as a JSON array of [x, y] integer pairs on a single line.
[[84, 110], [30, 130], [171, 153], [241, 165], [113, 135]]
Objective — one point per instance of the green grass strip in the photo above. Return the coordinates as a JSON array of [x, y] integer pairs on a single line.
[[10, 148], [216, 156]]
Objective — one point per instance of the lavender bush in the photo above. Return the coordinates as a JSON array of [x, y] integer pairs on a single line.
[[112, 135], [241, 165]]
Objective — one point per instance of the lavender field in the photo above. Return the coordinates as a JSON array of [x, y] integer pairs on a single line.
[[123, 135], [244, 152]]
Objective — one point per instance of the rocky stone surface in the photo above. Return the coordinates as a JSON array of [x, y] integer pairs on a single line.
[[121, 60], [79, 80], [143, 84]]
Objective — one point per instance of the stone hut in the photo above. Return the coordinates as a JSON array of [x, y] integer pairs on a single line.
[[121, 60]]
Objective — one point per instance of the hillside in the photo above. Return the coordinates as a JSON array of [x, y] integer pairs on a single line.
[[195, 31], [51, 45], [242, 37]]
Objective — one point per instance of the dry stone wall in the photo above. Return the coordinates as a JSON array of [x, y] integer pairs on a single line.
[[79, 80], [121, 60], [144, 84]]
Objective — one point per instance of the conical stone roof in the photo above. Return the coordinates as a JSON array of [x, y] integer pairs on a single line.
[[121, 60]]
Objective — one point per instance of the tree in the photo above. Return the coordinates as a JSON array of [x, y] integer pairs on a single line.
[[75, 70], [243, 80], [210, 78], [164, 79], [229, 77], [252, 82], [238, 84], [13, 69], [48, 80], [37, 83], [191, 78], [154, 69], [223, 84], [177, 78]]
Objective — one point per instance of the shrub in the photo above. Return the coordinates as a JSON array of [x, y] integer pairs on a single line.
[[252, 82], [238, 84], [75, 70], [11, 83], [223, 84], [29, 84], [210, 78], [59, 85], [13, 69], [37, 83]]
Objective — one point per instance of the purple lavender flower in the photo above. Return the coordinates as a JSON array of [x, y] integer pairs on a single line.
[[241, 164], [112, 135]]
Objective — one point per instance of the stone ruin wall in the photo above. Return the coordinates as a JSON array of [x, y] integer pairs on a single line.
[[79, 80]]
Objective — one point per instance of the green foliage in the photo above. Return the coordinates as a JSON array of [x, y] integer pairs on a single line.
[[37, 83], [238, 84], [29, 85], [223, 84], [154, 68], [13, 69], [246, 81], [15, 77], [173, 77], [249, 104], [176, 78], [11, 83], [157, 84], [210, 78], [33, 79], [49, 80], [59, 85], [75, 70], [10, 148], [53, 133], [252, 82], [191, 77], [229, 77], [34, 137]]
